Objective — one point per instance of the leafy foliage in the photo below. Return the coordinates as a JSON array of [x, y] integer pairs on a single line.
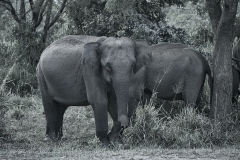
[[134, 19], [25, 28], [194, 20]]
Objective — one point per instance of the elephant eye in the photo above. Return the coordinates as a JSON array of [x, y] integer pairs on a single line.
[[108, 67], [133, 65]]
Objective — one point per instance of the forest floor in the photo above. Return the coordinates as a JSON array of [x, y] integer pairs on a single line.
[[25, 130], [131, 154]]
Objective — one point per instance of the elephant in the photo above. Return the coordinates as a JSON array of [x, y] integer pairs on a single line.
[[176, 72], [80, 70], [236, 53], [235, 72]]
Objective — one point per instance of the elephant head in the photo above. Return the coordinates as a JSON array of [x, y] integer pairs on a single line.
[[114, 61]]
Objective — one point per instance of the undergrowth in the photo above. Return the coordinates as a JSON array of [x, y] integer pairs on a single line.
[[23, 123], [2, 112], [16, 74], [187, 129]]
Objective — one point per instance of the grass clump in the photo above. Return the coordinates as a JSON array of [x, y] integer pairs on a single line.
[[2, 113], [186, 129], [145, 128], [19, 79]]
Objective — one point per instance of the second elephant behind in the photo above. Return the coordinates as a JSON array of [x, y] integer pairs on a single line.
[[176, 72]]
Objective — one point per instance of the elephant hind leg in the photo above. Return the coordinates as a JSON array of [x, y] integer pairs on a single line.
[[53, 111], [49, 107], [193, 95], [147, 97], [59, 123], [201, 102], [54, 116], [193, 91]]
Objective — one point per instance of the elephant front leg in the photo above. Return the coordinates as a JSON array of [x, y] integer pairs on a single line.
[[101, 121], [116, 131]]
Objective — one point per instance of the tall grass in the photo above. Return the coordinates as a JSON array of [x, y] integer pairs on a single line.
[[2, 112], [187, 129], [25, 128], [16, 74], [21, 80]]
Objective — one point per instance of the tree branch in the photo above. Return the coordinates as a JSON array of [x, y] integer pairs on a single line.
[[22, 11], [48, 16], [8, 5], [215, 12], [40, 15], [36, 11], [31, 4], [58, 14], [237, 28]]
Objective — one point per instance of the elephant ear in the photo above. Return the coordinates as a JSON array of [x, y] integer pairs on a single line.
[[91, 56], [143, 54], [90, 52]]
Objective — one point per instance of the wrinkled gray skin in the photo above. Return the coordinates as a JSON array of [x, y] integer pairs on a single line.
[[86, 70], [176, 72], [236, 76], [236, 53]]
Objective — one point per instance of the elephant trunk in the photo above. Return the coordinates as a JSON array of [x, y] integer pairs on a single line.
[[121, 85]]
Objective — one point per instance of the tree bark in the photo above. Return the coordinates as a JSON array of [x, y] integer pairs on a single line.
[[222, 14]]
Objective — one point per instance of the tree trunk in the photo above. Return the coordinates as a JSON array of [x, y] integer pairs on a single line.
[[221, 106], [222, 14]]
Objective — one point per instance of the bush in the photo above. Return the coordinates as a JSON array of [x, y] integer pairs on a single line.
[[19, 80], [22, 80], [187, 129], [17, 75], [4, 99], [146, 127]]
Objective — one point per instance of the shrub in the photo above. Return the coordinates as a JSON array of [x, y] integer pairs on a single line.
[[145, 128], [186, 129], [19, 81], [4, 98], [22, 80]]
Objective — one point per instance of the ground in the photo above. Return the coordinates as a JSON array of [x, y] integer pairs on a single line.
[[131, 154], [25, 131]]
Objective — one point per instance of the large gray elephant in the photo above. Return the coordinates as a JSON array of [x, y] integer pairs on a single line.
[[176, 72], [235, 72], [235, 85], [236, 53], [87, 70]]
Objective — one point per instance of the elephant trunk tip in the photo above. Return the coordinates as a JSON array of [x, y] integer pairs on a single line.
[[123, 120]]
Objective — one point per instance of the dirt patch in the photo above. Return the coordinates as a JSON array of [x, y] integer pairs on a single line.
[[134, 154]]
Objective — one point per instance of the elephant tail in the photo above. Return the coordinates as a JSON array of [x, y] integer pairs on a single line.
[[210, 80]]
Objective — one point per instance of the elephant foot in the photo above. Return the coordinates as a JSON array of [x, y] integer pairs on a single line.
[[124, 121], [105, 143], [47, 139], [115, 133], [51, 138]]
